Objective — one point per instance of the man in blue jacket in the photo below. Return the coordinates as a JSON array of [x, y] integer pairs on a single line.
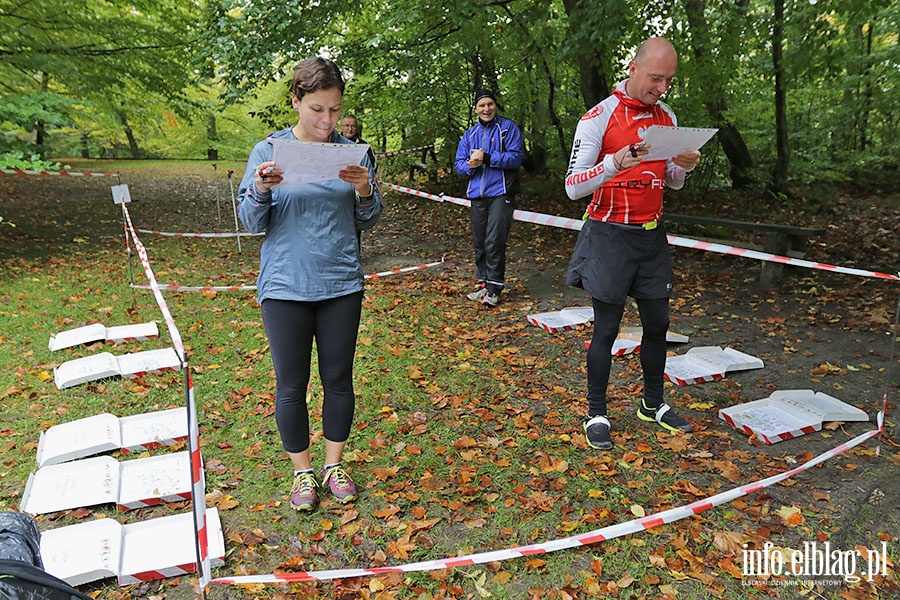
[[490, 154]]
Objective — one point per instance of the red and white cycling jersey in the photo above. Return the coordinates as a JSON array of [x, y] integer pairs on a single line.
[[632, 195]]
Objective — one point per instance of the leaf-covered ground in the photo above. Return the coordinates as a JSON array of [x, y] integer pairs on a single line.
[[467, 433]]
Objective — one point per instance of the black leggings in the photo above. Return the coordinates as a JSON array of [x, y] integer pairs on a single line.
[[655, 324], [291, 327]]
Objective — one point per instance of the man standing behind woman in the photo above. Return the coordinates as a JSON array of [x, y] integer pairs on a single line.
[[622, 249], [310, 284], [490, 154]]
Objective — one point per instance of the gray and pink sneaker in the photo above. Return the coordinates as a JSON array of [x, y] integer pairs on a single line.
[[303, 492], [341, 485]]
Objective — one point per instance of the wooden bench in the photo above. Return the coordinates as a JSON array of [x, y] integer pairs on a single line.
[[783, 240]]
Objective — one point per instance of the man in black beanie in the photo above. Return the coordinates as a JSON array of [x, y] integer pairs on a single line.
[[490, 154]]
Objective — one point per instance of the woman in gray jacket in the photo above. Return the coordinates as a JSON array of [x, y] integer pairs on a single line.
[[310, 284]]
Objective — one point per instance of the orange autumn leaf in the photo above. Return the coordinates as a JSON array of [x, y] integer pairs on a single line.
[[384, 474], [550, 464], [791, 515], [401, 548], [502, 578], [730, 542], [535, 563], [387, 511], [464, 442]]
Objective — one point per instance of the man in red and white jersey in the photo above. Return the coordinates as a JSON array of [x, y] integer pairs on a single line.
[[622, 249]]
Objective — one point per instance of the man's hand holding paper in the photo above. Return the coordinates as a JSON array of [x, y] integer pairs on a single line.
[[677, 143]]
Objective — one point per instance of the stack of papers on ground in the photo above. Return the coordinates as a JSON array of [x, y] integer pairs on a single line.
[[136, 552], [788, 414], [105, 432], [104, 364], [708, 363], [563, 320], [97, 332], [130, 484], [629, 340]]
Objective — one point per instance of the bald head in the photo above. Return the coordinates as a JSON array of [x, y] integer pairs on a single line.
[[656, 48], [652, 70]]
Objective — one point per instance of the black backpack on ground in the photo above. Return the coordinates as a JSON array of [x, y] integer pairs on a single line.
[[22, 576]]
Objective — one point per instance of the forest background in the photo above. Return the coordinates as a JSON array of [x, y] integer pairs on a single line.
[[801, 91]]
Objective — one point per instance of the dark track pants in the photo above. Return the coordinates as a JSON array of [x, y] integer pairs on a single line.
[[491, 220]]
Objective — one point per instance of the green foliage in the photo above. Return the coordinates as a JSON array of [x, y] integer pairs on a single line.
[[83, 74], [18, 160], [111, 59]]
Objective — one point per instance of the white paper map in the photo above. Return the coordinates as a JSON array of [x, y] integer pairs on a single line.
[[105, 432], [97, 331], [309, 162], [788, 414], [136, 552], [708, 363], [562, 320], [665, 142], [104, 364], [629, 340], [130, 484]]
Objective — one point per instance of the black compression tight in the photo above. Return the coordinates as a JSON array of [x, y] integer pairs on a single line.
[[291, 328], [655, 323]]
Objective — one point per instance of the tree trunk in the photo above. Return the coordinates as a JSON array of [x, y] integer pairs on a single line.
[[729, 135], [867, 94], [594, 86], [132, 142], [85, 148], [212, 153], [40, 131], [539, 157], [783, 153]]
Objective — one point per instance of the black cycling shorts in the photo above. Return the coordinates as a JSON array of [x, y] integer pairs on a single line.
[[611, 262]]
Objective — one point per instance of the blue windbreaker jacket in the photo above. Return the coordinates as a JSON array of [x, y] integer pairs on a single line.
[[504, 150]]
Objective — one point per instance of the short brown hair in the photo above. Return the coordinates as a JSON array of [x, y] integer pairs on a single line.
[[314, 74]]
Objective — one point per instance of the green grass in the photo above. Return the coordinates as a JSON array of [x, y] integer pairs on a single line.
[[467, 435]]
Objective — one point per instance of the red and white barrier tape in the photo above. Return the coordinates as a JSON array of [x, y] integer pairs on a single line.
[[796, 262], [160, 301], [63, 173], [406, 151], [198, 482], [404, 270], [241, 288], [577, 224], [411, 191], [598, 535], [229, 234], [200, 288]]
